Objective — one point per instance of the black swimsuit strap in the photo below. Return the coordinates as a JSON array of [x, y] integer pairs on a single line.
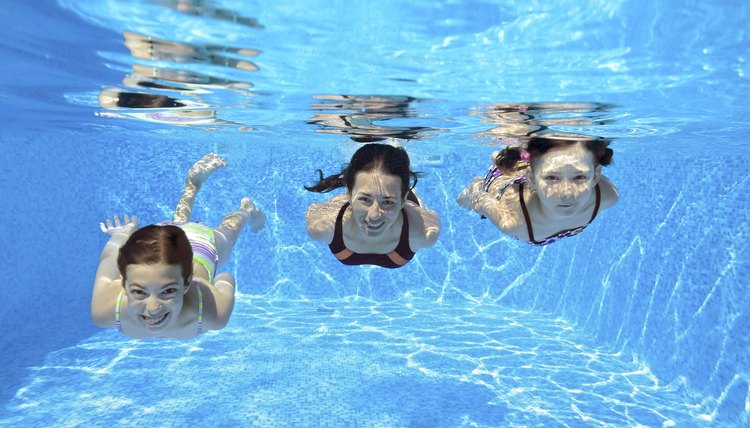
[[337, 243], [528, 219], [598, 201], [525, 212]]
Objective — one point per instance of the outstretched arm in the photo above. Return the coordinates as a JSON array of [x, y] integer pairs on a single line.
[[474, 197], [321, 218], [424, 226], [219, 311], [106, 284]]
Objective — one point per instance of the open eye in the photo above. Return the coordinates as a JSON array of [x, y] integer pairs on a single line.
[[364, 199], [580, 177], [170, 290], [389, 203], [137, 293], [551, 178]]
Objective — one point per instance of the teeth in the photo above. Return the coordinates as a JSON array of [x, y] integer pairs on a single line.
[[154, 321]]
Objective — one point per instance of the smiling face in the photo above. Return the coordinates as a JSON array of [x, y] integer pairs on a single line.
[[565, 178], [376, 201], [155, 294]]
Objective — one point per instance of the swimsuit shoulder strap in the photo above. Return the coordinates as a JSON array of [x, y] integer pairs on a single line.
[[598, 202], [200, 306], [525, 212], [337, 244], [118, 303], [403, 249]]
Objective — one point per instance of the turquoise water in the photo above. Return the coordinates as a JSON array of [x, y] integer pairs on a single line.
[[640, 320]]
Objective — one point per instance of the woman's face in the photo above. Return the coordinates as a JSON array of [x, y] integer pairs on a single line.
[[376, 201], [155, 294], [565, 178]]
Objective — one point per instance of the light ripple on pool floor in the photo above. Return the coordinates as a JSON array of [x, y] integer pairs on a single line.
[[353, 362]]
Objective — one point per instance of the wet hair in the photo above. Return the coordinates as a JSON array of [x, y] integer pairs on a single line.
[[510, 158], [391, 160], [157, 244]]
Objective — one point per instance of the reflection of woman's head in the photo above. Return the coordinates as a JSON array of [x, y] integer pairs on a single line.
[[388, 159], [153, 245]]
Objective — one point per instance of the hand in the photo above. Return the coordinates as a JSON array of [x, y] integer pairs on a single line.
[[127, 228], [256, 218], [468, 197]]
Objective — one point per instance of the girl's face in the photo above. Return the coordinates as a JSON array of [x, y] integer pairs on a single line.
[[565, 178], [155, 294], [376, 201]]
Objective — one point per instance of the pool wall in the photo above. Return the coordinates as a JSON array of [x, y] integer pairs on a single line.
[[663, 275]]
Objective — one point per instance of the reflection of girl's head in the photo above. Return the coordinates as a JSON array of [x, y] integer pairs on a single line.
[[153, 245], [388, 159]]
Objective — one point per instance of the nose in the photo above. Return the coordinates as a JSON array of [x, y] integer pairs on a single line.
[[152, 304], [567, 192], [374, 212]]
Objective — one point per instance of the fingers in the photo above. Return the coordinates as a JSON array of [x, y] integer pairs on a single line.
[[109, 227]]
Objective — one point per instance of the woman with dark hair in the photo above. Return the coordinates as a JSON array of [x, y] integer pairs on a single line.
[[380, 220], [161, 281], [549, 189]]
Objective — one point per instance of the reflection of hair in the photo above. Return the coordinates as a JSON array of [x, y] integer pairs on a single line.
[[157, 244], [391, 160], [508, 159]]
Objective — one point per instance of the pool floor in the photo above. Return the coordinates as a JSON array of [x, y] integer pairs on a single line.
[[354, 363]]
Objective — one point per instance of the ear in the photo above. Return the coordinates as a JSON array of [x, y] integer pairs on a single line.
[[187, 286], [349, 196]]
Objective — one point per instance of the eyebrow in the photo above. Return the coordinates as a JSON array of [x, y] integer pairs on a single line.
[[367, 194], [133, 284]]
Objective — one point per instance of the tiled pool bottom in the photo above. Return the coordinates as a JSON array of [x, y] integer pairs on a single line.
[[352, 363]]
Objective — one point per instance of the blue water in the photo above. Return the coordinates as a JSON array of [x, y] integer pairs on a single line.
[[641, 320]]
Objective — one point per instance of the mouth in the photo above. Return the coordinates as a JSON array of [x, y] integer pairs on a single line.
[[374, 226], [154, 321], [566, 205]]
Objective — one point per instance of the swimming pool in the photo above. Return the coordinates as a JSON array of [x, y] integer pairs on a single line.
[[640, 320]]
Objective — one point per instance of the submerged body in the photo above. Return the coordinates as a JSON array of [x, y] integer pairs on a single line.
[[160, 281], [553, 196]]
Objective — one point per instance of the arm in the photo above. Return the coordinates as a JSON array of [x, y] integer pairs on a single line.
[[485, 203], [321, 218], [107, 282], [222, 291], [424, 226]]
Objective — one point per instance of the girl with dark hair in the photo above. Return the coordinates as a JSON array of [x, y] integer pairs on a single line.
[[161, 281], [549, 189], [380, 220]]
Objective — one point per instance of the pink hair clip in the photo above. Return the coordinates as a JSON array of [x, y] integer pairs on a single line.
[[525, 156]]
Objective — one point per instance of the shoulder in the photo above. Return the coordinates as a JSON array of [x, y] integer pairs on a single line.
[[218, 300], [506, 212], [424, 226], [103, 301], [610, 195], [320, 218]]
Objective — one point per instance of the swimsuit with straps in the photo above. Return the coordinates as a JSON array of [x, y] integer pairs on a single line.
[[392, 260]]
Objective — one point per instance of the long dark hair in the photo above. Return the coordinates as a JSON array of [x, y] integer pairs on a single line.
[[392, 160], [155, 244], [510, 158]]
